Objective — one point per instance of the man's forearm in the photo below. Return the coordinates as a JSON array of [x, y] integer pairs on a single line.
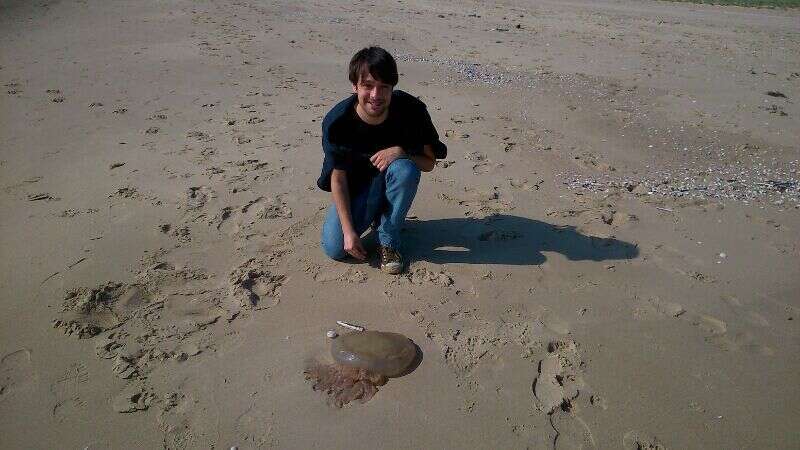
[[341, 198], [425, 161]]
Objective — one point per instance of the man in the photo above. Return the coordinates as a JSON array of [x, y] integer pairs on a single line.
[[376, 143]]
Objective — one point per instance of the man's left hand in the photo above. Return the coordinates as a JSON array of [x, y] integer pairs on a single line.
[[383, 158]]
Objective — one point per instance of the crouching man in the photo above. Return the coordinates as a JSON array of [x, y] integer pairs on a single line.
[[376, 142]]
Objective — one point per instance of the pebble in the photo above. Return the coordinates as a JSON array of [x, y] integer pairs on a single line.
[[332, 334]]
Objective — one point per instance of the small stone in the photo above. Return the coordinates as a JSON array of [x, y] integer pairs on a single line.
[[332, 334], [723, 255]]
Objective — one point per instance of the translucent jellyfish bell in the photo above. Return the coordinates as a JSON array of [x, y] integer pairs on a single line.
[[383, 353]]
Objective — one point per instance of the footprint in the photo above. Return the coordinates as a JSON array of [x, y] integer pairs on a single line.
[[572, 433], [252, 287], [475, 156], [665, 307], [265, 208], [232, 220], [69, 406], [485, 167], [481, 168], [633, 440], [708, 324], [524, 184], [716, 330], [133, 398], [547, 388], [16, 372], [555, 324], [254, 427], [558, 382], [744, 341], [349, 275], [68, 410], [196, 197]]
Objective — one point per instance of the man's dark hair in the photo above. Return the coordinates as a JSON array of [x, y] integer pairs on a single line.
[[377, 62]]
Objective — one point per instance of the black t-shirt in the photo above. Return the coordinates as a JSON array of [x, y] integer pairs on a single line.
[[365, 141], [349, 142]]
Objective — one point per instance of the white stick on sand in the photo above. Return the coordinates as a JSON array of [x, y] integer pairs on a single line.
[[350, 326]]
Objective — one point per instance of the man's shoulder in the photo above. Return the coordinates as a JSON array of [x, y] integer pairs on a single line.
[[338, 111], [404, 100]]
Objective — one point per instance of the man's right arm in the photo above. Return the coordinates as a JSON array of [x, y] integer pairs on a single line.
[[341, 199]]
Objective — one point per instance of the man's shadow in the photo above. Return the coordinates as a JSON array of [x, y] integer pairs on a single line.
[[505, 239]]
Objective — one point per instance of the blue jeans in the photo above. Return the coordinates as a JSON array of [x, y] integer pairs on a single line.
[[386, 200]]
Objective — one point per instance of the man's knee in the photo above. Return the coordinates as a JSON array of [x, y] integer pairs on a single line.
[[331, 239], [333, 248], [404, 171]]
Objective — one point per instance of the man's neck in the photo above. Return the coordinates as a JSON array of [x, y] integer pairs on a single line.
[[369, 119]]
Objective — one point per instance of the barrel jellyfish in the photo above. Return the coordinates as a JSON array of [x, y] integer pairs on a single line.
[[363, 361]]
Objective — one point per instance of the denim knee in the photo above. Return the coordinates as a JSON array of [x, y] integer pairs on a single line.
[[331, 238], [334, 248], [404, 171]]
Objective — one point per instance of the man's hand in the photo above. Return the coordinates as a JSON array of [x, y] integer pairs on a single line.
[[383, 158], [352, 245]]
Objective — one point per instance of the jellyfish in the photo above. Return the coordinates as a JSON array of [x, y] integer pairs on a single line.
[[363, 361]]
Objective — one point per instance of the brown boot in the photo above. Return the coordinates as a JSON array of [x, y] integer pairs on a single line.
[[391, 260]]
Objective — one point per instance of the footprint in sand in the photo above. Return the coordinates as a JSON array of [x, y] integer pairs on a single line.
[[252, 287], [254, 427], [634, 440], [556, 388], [485, 167], [16, 373], [347, 275], [133, 397], [67, 390], [232, 220], [715, 330], [572, 433], [197, 197], [524, 184], [742, 341], [708, 324], [555, 324], [667, 308], [559, 382], [547, 387]]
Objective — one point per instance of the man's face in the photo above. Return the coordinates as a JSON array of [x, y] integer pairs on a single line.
[[373, 95]]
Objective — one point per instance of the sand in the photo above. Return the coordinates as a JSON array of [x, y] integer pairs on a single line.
[[608, 258]]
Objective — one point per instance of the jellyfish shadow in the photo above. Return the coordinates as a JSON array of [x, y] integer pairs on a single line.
[[506, 239]]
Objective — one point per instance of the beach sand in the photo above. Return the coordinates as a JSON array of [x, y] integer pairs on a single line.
[[608, 258]]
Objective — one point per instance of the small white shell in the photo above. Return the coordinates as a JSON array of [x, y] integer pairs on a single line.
[[332, 334]]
